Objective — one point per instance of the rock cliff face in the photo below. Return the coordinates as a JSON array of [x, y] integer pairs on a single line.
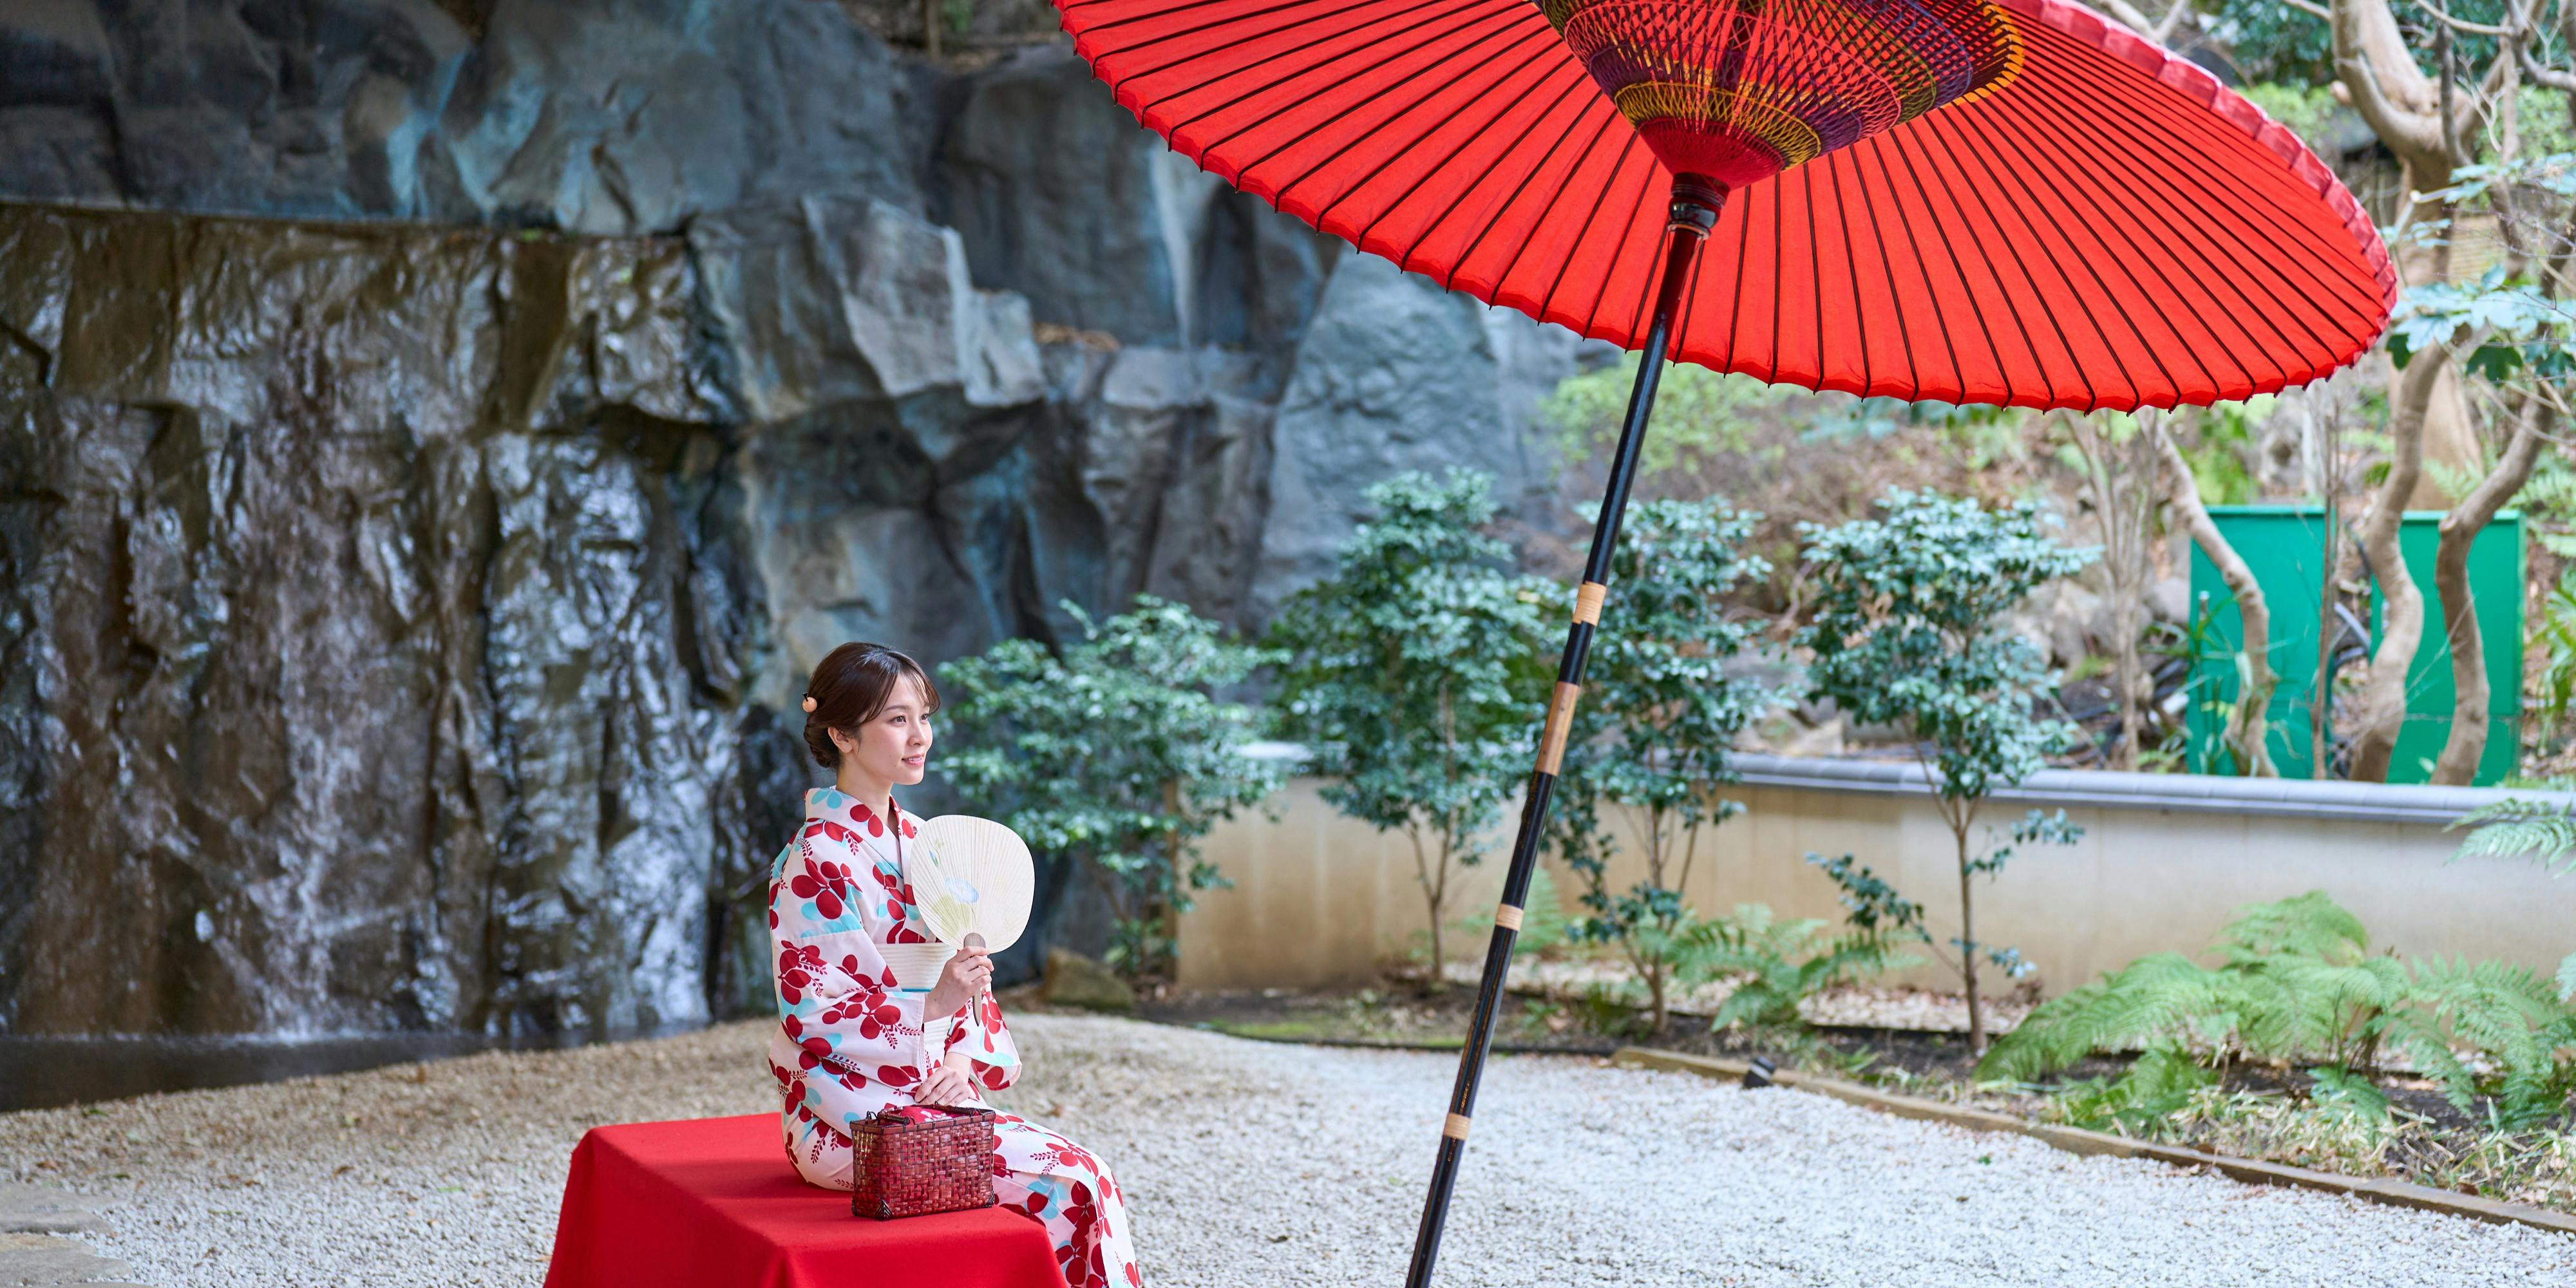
[[435, 441]]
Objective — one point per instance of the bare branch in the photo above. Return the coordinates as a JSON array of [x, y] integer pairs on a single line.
[[2539, 73], [2462, 24], [2502, 74]]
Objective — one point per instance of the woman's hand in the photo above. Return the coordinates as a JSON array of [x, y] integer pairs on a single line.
[[946, 1086], [961, 981]]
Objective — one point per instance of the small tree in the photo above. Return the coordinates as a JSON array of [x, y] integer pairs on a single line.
[[1906, 631], [1660, 712], [1409, 670], [1114, 755]]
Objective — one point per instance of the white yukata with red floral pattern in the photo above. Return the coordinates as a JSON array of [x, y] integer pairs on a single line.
[[835, 894]]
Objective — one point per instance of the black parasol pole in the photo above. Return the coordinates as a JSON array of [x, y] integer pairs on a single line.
[[1694, 212]]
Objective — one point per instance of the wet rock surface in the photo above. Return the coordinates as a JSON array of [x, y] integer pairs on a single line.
[[599, 116], [401, 620], [374, 638]]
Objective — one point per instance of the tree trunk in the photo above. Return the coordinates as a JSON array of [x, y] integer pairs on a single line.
[[1435, 891], [2419, 120], [2450, 439], [2460, 528], [2121, 505], [1439, 963], [1968, 950], [1168, 915], [2431, 127], [930, 27], [2128, 555], [2125, 673], [2248, 727], [2383, 692], [2329, 575]]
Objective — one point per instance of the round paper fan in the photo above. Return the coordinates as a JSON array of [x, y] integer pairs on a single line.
[[972, 876]]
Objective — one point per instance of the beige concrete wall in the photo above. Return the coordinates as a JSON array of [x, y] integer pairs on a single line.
[[1320, 899]]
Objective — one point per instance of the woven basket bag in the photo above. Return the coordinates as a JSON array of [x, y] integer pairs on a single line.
[[921, 1159]]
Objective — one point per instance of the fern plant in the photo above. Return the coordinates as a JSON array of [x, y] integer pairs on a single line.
[[2158, 1085], [2548, 504], [2543, 831], [2297, 983], [1779, 964], [2553, 637]]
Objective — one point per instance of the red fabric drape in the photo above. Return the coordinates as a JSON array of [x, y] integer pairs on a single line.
[[2109, 229], [712, 1203]]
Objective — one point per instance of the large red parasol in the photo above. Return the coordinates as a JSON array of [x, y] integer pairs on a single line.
[[2093, 224], [1971, 201]]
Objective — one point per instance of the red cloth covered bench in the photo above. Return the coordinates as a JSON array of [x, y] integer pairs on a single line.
[[712, 1202]]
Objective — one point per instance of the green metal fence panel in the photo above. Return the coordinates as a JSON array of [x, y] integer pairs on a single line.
[[2283, 546]]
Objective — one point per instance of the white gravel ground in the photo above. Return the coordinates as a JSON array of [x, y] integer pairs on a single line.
[[1246, 1164]]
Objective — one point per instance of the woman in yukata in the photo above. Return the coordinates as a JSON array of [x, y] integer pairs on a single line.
[[850, 1041]]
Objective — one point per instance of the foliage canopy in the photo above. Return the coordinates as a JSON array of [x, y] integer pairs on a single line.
[[1907, 630]]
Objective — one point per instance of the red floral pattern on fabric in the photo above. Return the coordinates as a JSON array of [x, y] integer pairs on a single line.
[[899, 899], [870, 1009], [797, 967], [825, 882]]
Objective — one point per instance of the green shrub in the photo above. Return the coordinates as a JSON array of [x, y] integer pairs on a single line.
[[1113, 757]]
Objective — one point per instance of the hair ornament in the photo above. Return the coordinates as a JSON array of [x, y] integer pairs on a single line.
[[809, 704]]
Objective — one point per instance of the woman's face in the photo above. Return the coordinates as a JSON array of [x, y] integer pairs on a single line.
[[894, 747]]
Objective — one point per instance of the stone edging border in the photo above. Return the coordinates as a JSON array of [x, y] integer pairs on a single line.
[[1365, 1044], [2078, 1141]]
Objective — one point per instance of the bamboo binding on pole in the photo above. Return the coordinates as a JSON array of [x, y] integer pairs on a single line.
[[1587, 602]]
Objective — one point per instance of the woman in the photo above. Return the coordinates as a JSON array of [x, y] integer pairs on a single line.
[[849, 1042]]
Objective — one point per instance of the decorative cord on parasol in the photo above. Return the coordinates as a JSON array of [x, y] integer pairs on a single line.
[[1971, 201]]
